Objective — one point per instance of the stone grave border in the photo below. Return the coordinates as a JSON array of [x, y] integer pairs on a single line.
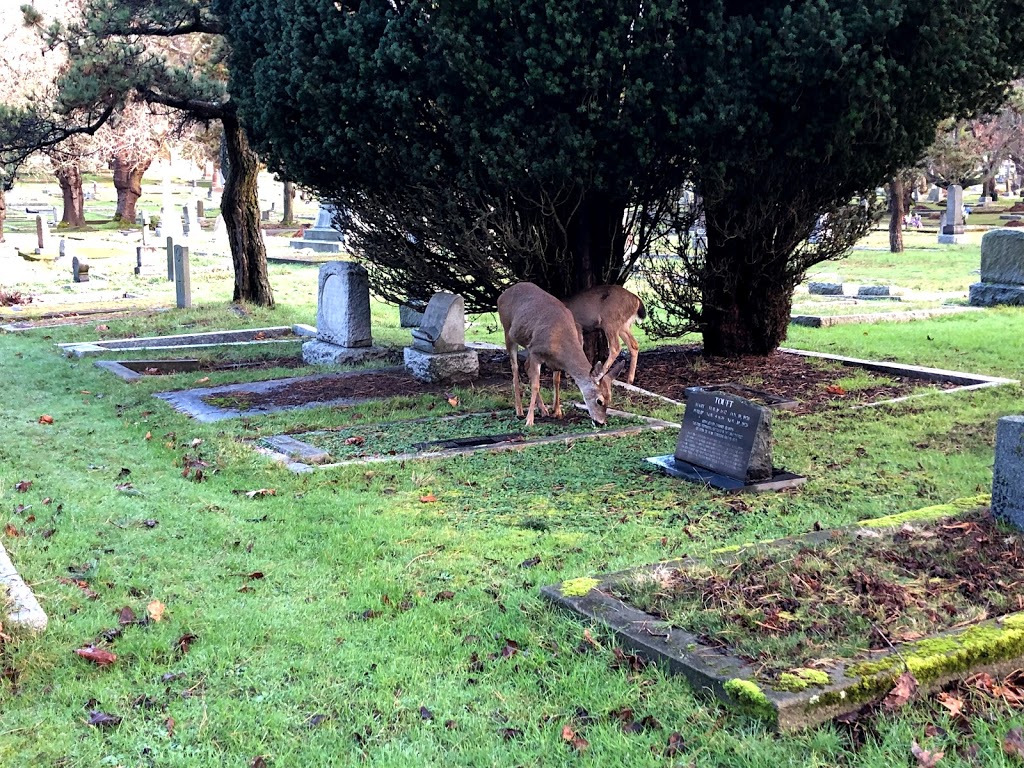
[[244, 337], [316, 455], [828, 321], [24, 610], [128, 370], [996, 644], [967, 381]]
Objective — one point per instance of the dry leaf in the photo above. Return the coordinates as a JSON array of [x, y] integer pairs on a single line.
[[97, 656], [902, 692], [260, 493], [46, 419], [155, 610], [102, 328], [574, 740], [1013, 744], [22, 485], [453, 402], [925, 759], [203, 380], [11, 531], [428, 498], [835, 389], [951, 702], [149, 436]]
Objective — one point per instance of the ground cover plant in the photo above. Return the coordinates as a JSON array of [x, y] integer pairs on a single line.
[[805, 604], [390, 616]]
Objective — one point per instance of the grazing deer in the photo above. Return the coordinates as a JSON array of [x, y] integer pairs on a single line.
[[536, 320], [612, 309]]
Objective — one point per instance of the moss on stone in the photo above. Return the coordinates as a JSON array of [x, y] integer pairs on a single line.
[[578, 587], [934, 512], [801, 678], [749, 697]]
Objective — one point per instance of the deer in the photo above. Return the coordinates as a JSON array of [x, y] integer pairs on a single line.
[[534, 319], [612, 309]]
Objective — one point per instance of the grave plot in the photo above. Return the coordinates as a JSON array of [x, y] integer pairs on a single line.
[[801, 630], [246, 337], [133, 370], [814, 380], [444, 437]]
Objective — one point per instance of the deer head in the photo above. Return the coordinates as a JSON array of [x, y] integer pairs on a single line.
[[597, 391]]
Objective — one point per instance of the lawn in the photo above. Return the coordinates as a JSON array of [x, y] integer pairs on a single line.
[[390, 616]]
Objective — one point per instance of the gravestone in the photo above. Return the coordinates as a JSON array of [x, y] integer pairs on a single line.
[[186, 227], [952, 231], [934, 194], [182, 278], [200, 210], [1008, 475], [725, 442], [79, 270], [170, 258], [1002, 269], [322, 237], [42, 234], [825, 289], [342, 317], [62, 249], [438, 352]]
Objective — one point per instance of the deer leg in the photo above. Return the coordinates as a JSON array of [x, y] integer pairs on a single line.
[[514, 360], [540, 395], [556, 378], [634, 353], [534, 367]]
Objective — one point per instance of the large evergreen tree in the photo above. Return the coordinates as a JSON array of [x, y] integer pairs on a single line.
[[471, 143]]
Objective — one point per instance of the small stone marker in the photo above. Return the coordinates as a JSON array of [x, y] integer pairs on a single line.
[[953, 229], [42, 234], [170, 258], [1002, 269], [186, 226], [438, 352], [825, 289], [200, 211], [182, 278], [342, 317], [1008, 476], [322, 237], [933, 194], [79, 270], [62, 249], [726, 442]]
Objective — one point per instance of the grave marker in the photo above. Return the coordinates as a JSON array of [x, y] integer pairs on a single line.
[[1008, 475], [182, 278], [952, 230], [725, 442], [438, 352], [79, 270], [1002, 269], [170, 258], [42, 234], [343, 331], [322, 237]]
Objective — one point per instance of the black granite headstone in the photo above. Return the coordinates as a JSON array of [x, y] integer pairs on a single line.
[[726, 434]]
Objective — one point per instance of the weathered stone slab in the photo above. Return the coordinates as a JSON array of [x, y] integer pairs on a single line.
[[443, 328], [432, 367], [726, 433], [343, 305], [1002, 256], [825, 289], [873, 290], [1008, 475], [318, 352], [996, 294]]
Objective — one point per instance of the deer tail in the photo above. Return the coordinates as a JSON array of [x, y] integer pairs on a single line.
[[641, 311]]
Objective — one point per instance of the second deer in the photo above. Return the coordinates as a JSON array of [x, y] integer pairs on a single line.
[[612, 309], [536, 320]]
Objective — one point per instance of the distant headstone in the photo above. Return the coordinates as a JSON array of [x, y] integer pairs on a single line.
[[145, 261], [170, 258], [726, 442], [42, 234], [934, 194], [825, 289], [873, 290], [1002, 269], [438, 352], [186, 221], [182, 278], [62, 249], [1008, 474], [79, 270], [200, 210], [953, 228], [342, 317], [322, 237]]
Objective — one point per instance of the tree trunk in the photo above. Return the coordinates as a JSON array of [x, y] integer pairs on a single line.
[[747, 296], [128, 183], [3, 211], [240, 208], [991, 191], [288, 207], [897, 212], [70, 179]]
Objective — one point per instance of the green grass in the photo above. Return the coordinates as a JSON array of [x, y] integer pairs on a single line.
[[352, 619]]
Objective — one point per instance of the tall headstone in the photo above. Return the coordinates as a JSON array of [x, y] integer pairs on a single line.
[[182, 278], [342, 317], [1002, 269], [953, 229], [725, 442], [322, 237], [438, 352], [42, 234], [186, 228], [1008, 475], [170, 258]]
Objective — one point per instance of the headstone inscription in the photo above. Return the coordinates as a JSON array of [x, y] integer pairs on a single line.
[[1008, 475], [726, 442]]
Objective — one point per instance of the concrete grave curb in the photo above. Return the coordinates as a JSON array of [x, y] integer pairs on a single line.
[[24, 610]]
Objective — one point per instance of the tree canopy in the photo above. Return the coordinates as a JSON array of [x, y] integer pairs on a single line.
[[472, 143]]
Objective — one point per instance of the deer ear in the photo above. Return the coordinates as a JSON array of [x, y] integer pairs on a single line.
[[595, 372], [616, 369]]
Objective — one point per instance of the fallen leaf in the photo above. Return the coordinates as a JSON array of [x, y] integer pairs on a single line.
[[102, 328], [260, 493], [835, 389], [355, 440], [530, 562], [444, 596], [254, 575], [46, 419], [925, 759], [902, 692], [428, 498], [426, 714], [183, 643], [11, 531], [675, 744], [258, 762], [510, 734], [149, 436], [82, 585], [453, 402], [314, 720], [155, 610], [22, 485], [102, 719], [950, 702], [169, 722], [574, 740], [97, 656], [203, 380], [127, 616], [1013, 744]]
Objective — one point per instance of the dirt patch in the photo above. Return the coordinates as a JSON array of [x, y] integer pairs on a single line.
[[170, 367], [801, 604], [668, 371]]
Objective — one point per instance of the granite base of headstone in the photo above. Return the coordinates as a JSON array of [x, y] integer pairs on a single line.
[[1008, 474], [825, 289], [1002, 269], [322, 237], [726, 442], [410, 314], [342, 318], [438, 352]]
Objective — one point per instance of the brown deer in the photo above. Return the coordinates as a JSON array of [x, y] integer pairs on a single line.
[[612, 309], [536, 320]]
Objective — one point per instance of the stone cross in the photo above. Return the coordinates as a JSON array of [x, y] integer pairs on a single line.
[[1008, 475]]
